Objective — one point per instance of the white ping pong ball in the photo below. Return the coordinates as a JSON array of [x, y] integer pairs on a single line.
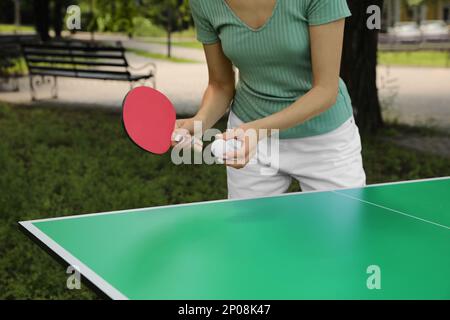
[[221, 147], [218, 148]]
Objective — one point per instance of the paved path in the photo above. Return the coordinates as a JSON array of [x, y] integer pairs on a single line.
[[416, 95], [143, 44], [179, 52], [410, 95], [183, 83]]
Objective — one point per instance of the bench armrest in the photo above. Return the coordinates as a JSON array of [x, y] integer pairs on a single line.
[[145, 66]]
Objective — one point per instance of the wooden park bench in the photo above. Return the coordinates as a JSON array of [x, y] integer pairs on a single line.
[[80, 59], [10, 63], [8, 56]]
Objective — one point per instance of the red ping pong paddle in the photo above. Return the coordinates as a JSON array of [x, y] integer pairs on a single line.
[[149, 119]]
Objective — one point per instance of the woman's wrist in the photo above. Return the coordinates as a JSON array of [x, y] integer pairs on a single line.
[[203, 119], [207, 120], [253, 128], [260, 127]]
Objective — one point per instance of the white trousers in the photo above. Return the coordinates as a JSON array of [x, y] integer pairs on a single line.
[[325, 162]]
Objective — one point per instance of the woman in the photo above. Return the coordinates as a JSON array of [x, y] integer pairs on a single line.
[[288, 54]]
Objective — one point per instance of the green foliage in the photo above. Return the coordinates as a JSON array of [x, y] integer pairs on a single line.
[[130, 16], [109, 15], [173, 15], [8, 28], [385, 161], [143, 27], [17, 67], [416, 58], [7, 12], [413, 3], [62, 162]]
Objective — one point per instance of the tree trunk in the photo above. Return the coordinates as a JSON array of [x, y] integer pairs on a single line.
[[169, 43], [113, 9], [169, 33], [91, 8], [42, 18], [57, 18], [17, 17], [359, 63]]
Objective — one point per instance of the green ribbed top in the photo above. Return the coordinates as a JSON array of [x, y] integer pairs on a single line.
[[274, 61]]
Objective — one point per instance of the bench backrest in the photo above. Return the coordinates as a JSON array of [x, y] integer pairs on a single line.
[[10, 47], [75, 57]]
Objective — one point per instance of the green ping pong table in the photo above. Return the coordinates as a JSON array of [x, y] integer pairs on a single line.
[[387, 241]]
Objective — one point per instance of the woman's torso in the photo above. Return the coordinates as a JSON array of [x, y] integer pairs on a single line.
[[274, 60]]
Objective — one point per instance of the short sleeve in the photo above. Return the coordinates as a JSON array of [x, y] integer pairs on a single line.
[[326, 11], [205, 31]]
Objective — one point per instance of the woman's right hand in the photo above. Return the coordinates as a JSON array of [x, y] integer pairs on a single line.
[[183, 134], [184, 129]]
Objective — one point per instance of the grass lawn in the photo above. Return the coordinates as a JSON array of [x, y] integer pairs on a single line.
[[62, 162], [184, 44], [417, 58], [7, 28], [412, 59], [159, 56]]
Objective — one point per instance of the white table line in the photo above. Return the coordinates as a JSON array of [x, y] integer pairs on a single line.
[[393, 210]]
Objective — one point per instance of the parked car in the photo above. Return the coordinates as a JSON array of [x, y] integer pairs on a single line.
[[434, 30], [407, 32]]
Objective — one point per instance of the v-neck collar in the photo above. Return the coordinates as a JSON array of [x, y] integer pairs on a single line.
[[274, 11]]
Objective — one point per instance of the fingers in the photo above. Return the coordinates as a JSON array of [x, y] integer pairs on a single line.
[[238, 158], [179, 136], [182, 139], [236, 165], [187, 124], [182, 133], [197, 144], [240, 153], [238, 162], [232, 134], [179, 124]]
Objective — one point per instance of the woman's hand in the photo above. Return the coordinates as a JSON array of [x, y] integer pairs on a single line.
[[184, 129], [183, 134], [249, 138]]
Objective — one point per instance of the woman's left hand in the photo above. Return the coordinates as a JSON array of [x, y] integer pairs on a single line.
[[249, 138]]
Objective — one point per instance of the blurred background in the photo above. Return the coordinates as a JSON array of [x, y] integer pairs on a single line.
[[65, 67]]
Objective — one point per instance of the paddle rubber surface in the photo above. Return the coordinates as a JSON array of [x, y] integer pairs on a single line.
[[149, 119]]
